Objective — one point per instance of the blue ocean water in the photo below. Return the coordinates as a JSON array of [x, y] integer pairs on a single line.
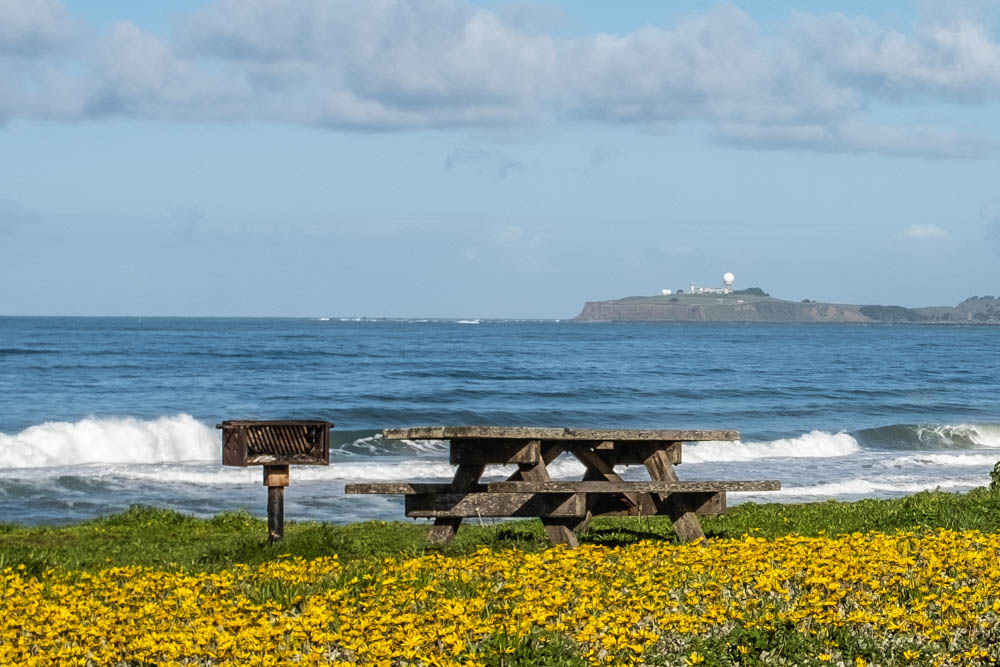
[[100, 413]]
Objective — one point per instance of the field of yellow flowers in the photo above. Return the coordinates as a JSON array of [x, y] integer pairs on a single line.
[[859, 599]]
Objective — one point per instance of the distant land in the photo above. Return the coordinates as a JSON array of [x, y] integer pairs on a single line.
[[755, 305]]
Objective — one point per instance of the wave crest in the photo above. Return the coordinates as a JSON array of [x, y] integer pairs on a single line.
[[931, 436], [110, 440], [815, 444]]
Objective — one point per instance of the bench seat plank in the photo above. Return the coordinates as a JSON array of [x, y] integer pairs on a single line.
[[438, 505], [601, 486]]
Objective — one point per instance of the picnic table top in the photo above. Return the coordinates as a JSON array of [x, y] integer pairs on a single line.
[[546, 433]]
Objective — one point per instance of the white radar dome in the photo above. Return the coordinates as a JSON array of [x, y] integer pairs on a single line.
[[728, 278], [666, 292]]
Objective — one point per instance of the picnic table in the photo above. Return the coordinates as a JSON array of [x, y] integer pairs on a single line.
[[565, 507]]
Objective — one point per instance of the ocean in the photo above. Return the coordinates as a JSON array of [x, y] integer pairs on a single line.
[[97, 414]]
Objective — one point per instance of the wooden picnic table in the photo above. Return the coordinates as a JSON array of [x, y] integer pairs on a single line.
[[565, 507]]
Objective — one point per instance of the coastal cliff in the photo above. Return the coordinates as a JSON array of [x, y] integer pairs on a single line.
[[752, 307]]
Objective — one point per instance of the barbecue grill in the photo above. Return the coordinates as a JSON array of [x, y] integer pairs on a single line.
[[275, 444]]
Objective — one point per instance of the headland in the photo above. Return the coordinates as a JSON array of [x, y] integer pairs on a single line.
[[755, 305]]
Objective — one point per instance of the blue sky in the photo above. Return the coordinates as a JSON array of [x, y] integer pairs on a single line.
[[491, 159]]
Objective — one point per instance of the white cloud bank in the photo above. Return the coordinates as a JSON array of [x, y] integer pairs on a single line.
[[397, 65]]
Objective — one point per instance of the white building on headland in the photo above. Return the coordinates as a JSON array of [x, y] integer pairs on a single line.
[[727, 286]]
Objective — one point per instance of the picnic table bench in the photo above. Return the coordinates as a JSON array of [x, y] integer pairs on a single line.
[[565, 507]]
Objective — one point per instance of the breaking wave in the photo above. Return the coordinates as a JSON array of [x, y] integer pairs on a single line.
[[182, 438], [812, 444], [111, 440], [931, 436]]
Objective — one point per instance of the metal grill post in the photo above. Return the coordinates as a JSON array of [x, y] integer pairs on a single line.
[[275, 479], [274, 445]]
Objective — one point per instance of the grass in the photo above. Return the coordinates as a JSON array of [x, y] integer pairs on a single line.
[[165, 539]]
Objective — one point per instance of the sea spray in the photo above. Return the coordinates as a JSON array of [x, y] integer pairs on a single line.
[[110, 440]]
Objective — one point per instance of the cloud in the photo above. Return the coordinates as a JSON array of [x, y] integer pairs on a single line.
[[390, 65], [35, 27], [920, 232], [482, 162], [948, 57]]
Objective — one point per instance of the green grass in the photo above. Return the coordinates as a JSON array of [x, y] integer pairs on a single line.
[[163, 538]]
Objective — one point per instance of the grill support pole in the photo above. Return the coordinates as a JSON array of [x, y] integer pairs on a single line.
[[275, 479]]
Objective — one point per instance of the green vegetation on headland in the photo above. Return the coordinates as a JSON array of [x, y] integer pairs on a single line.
[[165, 539], [754, 305]]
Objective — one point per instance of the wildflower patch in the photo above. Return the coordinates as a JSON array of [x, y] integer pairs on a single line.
[[860, 599]]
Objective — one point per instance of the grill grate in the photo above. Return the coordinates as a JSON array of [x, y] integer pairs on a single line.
[[275, 442]]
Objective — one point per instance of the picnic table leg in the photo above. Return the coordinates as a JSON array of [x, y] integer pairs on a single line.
[[550, 452], [686, 523], [466, 477], [560, 531]]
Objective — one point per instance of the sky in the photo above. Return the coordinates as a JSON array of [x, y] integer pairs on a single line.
[[447, 158]]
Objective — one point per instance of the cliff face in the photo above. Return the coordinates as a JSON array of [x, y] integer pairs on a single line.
[[654, 309], [742, 308]]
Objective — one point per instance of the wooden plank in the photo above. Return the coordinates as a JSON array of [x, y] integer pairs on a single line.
[[466, 478], [626, 452], [699, 502], [476, 450], [559, 532], [603, 504], [686, 523], [389, 488], [550, 452], [611, 486], [448, 506], [533, 433], [600, 469], [705, 504]]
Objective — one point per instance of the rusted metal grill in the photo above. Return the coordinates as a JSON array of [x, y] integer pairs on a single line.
[[277, 442]]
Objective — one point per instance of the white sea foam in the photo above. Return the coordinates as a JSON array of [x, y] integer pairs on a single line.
[[815, 444], [214, 474], [960, 460], [426, 446], [982, 435], [110, 440], [869, 487], [986, 435]]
